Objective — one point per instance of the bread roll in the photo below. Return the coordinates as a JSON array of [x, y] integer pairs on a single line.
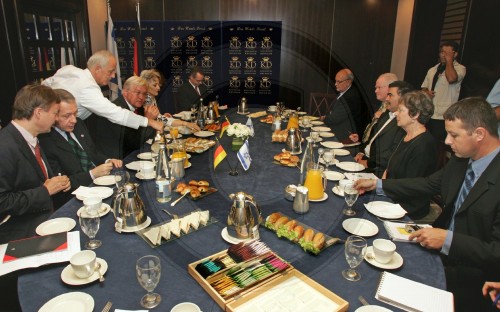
[[290, 225], [281, 221], [299, 231], [193, 183], [308, 235], [273, 217], [319, 240], [195, 193], [203, 183], [203, 189], [180, 187]]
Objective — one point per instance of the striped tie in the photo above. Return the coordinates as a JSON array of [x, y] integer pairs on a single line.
[[464, 191], [85, 161]]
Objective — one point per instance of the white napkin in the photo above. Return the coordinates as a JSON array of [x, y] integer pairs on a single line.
[[83, 191], [386, 210]]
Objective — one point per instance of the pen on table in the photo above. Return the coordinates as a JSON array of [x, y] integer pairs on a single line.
[[497, 298]]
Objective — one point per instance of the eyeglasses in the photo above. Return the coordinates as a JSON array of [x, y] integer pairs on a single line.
[[340, 81]]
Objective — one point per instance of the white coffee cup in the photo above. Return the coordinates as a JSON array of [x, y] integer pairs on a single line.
[[342, 184], [271, 108], [147, 168], [83, 263], [383, 250], [186, 307], [92, 204]]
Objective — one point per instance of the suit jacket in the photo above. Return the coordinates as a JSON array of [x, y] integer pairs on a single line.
[[117, 141], [474, 253], [384, 145], [345, 116], [187, 96], [62, 158], [22, 194]]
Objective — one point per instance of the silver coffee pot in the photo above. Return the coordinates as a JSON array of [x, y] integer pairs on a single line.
[[128, 209], [293, 141], [242, 107], [244, 217]]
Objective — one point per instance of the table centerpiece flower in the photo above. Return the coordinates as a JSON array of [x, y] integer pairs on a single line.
[[240, 133]]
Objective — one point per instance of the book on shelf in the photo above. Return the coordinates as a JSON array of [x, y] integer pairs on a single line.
[[412, 296], [400, 231]]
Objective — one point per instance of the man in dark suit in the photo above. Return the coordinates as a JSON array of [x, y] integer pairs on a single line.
[[191, 92], [76, 156], [386, 135], [346, 115], [27, 182], [467, 232]]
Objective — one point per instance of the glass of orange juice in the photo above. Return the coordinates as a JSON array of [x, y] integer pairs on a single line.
[[315, 181], [293, 121], [179, 151], [174, 132]]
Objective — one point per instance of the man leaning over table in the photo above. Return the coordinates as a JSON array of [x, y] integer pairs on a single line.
[[467, 233], [70, 149], [85, 84], [27, 183]]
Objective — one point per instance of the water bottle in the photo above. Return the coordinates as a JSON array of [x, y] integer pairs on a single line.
[[200, 120], [163, 179]]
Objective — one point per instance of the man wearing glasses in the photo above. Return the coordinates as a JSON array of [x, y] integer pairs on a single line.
[[192, 91], [345, 116]]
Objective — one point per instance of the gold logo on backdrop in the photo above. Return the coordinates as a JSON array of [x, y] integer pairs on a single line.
[[150, 62], [177, 81], [33, 63], [207, 42], [176, 61], [208, 81], [234, 63], [250, 43], [206, 62], [149, 43], [131, 42], [191, 42], [234, 82], [250, 83], [266, 63], [266, 43], [120, 44], [265, 83], [234, 43], [250, 63], [122, 62], [175, 42], [191, 61]]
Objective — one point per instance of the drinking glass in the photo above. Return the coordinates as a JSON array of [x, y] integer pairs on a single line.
[[350, 196], [328, 157], [306, 123], [315, 137], [148, 271], [355, 249], [121, 178], [89, 222], [174, 132]]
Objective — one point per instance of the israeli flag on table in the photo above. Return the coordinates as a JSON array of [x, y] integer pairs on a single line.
[[244, 156], [249, 124]]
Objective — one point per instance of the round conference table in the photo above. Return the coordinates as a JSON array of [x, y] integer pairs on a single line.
[[266, 182]]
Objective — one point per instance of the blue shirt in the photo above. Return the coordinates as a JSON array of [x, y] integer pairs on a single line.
[[494, 98]]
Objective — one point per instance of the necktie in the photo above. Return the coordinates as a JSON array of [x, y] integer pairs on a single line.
[[439, 71], [368, 130], [38, 156], [198, 90], [464, 191], [85, 161]]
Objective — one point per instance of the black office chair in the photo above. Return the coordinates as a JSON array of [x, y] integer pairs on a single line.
[[320, 103]]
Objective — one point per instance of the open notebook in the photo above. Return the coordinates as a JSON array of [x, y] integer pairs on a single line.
[[412, 296]]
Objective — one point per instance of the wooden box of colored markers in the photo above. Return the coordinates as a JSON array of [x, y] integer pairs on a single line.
[[248, 275]]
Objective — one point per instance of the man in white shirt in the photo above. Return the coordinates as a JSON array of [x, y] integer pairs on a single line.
[[84, 85]]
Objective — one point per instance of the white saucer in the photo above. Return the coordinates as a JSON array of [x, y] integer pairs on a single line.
[[144, 156], [372, 308], [72, 301], [105, 180], [317, 123], [360, 227], [321, 161], [396, 261], [325, 197], [177, 137], [140, 176], [385, 209], [136, 165], [188, 156], [230, 239], [56, 225], [350, 166], [105, 208], [320, 129], [204, 134], [337, 191], [97, 191], [69, 277], [342, 152], [185, 166], [331, 144], [333, 175], [326, 134], [137, 228], [301, 113]]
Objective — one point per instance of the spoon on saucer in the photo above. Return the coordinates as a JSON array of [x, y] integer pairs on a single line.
[[98, 268]]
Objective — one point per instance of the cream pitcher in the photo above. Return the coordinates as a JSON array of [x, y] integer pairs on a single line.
[[243, 220], [128, 209]]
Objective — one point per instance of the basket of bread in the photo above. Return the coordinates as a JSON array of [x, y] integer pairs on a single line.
[[286, 159], [309, 239], [197, 145], [196, 189], [268, 119], [279, 136]]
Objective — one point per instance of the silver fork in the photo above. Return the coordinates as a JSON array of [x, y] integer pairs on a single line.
[[107, 307], [363, 300], [171, 215]]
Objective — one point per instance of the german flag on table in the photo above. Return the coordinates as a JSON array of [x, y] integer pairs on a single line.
[[224, 126], [219, 155]]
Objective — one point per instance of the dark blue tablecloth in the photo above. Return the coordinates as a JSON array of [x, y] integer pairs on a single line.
[[266, 182]]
